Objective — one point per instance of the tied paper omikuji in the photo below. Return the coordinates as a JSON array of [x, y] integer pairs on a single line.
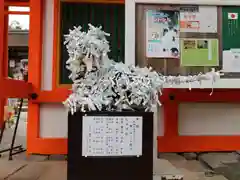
[[101, 84]]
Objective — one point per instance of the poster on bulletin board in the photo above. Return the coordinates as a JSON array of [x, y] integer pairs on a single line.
[[202, 19], [199, 52], [162, 34], [230, 39]]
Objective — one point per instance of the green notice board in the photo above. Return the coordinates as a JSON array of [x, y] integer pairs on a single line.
[[230, 28], [110, 16], [199, 52]]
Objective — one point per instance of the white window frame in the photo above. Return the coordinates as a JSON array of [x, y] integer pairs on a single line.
[[130, 6]]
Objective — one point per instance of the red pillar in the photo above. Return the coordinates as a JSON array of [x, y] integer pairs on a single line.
[[2, 69], [34, 73]]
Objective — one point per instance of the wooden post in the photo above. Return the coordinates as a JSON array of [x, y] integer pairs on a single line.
[[34, 71], [165, 67], [155, 135]]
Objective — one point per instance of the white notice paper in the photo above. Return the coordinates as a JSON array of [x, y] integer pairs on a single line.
[[231, 60], [203, 21], [112, 136]]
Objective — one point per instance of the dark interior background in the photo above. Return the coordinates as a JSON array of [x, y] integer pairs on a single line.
[[110, 16]]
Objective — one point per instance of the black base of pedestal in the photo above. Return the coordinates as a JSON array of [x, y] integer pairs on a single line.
[[109, 168]]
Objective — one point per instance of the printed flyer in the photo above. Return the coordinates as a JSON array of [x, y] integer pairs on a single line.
[[199, 52], [162, 34], [202, 19]]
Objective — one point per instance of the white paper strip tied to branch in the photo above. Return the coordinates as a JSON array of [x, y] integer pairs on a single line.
[[100, 84]]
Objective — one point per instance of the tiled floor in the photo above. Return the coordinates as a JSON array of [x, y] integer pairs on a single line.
[[170, 164], [26, 170], [50, 170]]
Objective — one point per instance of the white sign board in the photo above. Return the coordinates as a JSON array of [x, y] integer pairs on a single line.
[[112, 136]]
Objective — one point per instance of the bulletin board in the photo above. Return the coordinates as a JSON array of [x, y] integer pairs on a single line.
[[188, 33]]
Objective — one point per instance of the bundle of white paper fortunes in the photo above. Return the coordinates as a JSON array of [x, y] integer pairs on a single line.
[[100, 84]]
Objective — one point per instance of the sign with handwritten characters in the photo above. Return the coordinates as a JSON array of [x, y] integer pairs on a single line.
[[112, 136]]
